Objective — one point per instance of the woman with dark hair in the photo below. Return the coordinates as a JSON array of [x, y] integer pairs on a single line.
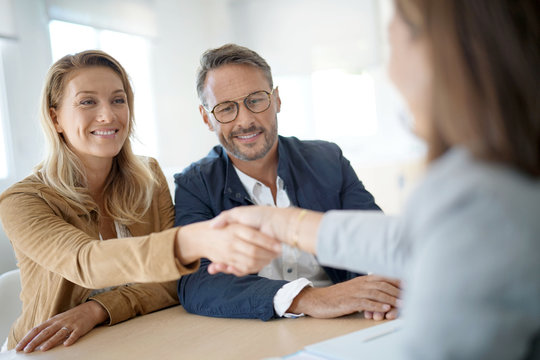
[[468, 242], [94, 216]]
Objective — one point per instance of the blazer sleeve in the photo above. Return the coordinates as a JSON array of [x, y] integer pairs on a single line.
[[37, 231], [354, 195], [125, 302], [220, 295]]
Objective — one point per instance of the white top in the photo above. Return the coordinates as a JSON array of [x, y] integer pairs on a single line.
[[468, 249], [299, 267]]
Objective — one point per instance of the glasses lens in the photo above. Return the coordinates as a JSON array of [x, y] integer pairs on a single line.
[[225, 112], [258, 102]]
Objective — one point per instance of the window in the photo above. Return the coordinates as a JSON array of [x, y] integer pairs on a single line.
[[133, 52], [3, 123]]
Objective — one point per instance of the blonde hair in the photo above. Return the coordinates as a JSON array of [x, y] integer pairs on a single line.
[[130, 184], [485, 60]]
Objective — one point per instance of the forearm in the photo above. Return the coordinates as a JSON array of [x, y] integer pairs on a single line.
[[126, 302], [363, 241], [224, 295]]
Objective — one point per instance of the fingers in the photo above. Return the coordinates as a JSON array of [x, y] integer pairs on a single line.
[[386, 288], [247, 215], [215, 268], [368, 315], [377, 289], [373, 306], [66, 327], [379, 296], [241, 250], [376, 278], [28, 337], [43, 338], [61, 336], [73, 337], [392, 314], [220, 221], [257, 238]]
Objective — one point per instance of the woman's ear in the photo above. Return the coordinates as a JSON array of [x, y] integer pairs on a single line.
[[54, 118]]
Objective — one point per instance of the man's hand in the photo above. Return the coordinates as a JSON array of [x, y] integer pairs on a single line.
[[375, 295], [234, 248], [65, 328]]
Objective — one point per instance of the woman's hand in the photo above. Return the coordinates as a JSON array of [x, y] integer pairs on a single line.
[[269, 220], [66, 328], [241, 250], [293, 226]]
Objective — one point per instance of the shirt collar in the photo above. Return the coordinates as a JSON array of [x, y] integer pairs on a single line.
[[251, 184]]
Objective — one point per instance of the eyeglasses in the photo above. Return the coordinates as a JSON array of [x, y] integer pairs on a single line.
[[256, 102]]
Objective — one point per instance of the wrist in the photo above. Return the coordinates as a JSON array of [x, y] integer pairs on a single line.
[[185, 249], [303, 301], [99, 313]]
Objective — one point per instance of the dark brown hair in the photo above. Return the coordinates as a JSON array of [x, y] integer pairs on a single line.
[[486, 77]]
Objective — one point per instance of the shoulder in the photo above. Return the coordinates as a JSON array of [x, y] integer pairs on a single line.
[[31, 185], [467, 207], [308, 146], [151, 163], [213, 164], [31, 195], [458, 180], [312, 151]]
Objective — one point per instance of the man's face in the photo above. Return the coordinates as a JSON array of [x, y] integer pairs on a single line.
[[250, 136]]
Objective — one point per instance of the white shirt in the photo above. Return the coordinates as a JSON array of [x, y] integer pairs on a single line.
[[298, 267]]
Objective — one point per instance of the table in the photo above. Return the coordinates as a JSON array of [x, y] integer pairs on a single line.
[[175, 334]]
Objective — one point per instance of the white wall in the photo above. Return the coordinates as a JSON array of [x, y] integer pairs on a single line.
[[26, 58]]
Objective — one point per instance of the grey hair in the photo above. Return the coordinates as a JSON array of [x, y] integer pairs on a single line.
[[229, 54]]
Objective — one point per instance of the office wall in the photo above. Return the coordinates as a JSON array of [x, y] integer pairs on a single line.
[[26, 57]]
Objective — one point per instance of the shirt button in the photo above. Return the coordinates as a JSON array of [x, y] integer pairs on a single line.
[[289, 270]]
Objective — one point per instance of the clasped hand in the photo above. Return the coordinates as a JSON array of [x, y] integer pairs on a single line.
[[265, 222]]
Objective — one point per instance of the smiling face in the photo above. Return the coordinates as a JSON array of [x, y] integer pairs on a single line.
[[93, 115], [251, 136]]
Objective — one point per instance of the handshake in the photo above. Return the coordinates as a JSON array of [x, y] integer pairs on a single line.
[[247, 238]]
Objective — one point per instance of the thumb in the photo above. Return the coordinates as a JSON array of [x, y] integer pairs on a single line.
[[219, 221]]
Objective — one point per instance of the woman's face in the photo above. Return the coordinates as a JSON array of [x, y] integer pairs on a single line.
[[410, 70], [93, 115]]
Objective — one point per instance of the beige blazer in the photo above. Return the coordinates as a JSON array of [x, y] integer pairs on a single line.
[[62, 259]]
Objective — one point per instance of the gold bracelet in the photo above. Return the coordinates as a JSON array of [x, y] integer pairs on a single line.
[[296, 233]]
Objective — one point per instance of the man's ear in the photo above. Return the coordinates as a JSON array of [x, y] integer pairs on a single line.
[[206, 118], [54, 118], [278, 100]]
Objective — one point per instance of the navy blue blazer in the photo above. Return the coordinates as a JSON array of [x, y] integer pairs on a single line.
[[316, 177]]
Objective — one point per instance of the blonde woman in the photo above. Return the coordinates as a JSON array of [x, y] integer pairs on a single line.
[[94, 216], [468, 241]]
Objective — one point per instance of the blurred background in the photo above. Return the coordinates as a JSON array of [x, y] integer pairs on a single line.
[[327, 57]]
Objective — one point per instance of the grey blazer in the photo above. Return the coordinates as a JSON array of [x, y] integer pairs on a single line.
[[468, 249]]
